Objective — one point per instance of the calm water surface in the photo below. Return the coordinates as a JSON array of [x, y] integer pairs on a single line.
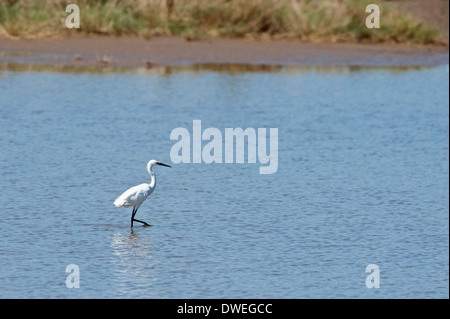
[[363, 178]]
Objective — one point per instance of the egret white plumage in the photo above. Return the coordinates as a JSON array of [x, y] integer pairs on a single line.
[[136, 195]]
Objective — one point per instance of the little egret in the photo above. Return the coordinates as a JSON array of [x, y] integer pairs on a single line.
[[136, 195]]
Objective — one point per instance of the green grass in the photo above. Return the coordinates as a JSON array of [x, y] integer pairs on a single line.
[[309, 20]]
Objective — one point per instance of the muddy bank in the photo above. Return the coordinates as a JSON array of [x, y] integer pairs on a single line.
[[171, 50]]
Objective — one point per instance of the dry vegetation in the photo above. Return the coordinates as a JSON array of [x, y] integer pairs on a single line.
[[308, 20]]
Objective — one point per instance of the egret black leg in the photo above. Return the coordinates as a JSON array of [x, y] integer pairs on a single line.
[[137, 220], [132, 215]]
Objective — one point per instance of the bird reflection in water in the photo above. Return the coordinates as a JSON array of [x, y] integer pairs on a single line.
[[133, 257]]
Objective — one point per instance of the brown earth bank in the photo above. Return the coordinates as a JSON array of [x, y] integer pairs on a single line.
[[172, 50]]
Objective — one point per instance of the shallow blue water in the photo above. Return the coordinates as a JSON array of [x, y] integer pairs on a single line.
[[363, 178]]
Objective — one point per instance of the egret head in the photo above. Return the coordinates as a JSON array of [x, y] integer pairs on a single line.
[[152, 163]]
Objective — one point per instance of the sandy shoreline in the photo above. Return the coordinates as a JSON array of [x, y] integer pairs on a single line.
[[172, 50]]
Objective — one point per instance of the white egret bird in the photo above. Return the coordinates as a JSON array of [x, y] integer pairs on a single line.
[[136, 195]]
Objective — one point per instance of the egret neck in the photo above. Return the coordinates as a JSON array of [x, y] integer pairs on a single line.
[[153, 178]]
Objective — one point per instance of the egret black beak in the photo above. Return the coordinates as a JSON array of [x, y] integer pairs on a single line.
[[162, 164]]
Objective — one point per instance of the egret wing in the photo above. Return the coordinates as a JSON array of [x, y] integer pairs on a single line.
[[133, 196]]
